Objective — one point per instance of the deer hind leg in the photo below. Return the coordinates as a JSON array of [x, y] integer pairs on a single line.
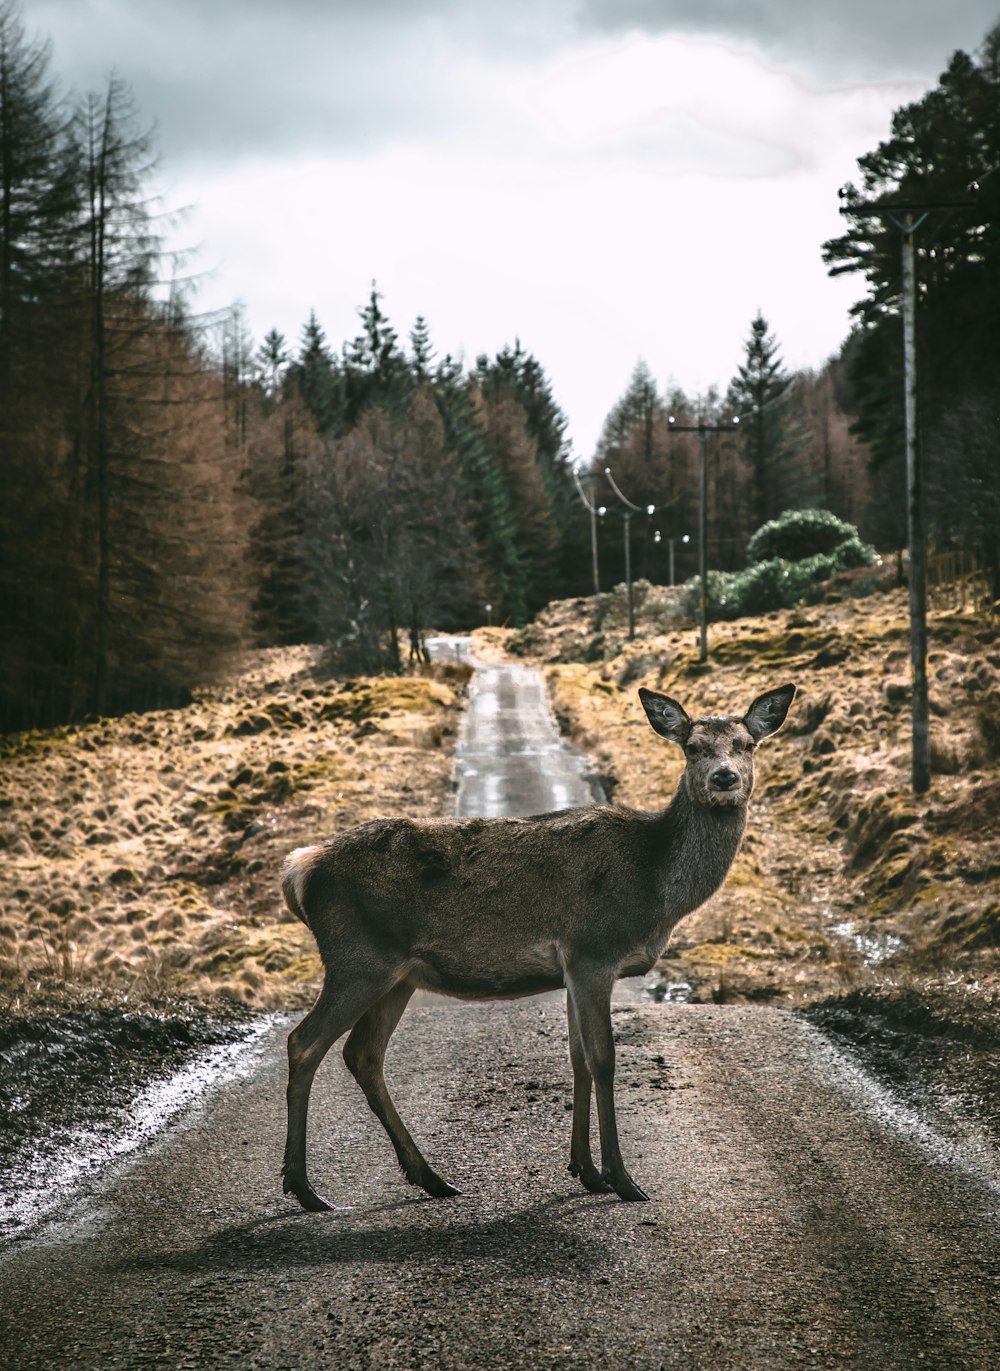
[[342, 1001], [364, 1053], [581, 1163], [589, 988]]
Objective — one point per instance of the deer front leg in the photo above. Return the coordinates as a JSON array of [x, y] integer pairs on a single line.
[[589, 988], [581, 1163]]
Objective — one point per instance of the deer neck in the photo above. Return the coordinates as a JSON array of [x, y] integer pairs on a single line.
[[699, 846]]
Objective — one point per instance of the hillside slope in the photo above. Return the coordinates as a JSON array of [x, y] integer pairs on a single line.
[[844, 876], [141, 854]]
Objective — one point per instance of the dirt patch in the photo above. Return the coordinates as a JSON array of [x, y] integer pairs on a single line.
[[68, 1070]]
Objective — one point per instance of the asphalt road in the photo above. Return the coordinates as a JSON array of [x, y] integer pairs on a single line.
[[510, 759], [798, 1218]]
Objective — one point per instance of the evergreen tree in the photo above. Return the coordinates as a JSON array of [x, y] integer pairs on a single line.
[[938, 147], [515, 452], [422, 351], [375, 367], [491, 506], [514, 373], [319, 378], [272, 362], [762, 396], [651, 466]]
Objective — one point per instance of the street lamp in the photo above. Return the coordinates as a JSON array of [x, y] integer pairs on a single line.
[[595, 512], [702, 429], [628, 511], [658, 538]]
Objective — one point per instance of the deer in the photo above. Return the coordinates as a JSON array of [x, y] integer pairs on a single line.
[[496, 909]]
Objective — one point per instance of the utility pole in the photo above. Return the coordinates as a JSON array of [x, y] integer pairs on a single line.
[[907, 218], [595, 511], [702, 429], [630, 509]]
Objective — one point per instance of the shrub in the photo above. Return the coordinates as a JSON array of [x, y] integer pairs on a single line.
[[776, 583], [800, 533]]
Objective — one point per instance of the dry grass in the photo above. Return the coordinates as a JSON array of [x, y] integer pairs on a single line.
[[140, 855], [836, 838]]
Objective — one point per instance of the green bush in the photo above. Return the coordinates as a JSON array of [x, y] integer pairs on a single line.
[[800, 533], [777, 583]]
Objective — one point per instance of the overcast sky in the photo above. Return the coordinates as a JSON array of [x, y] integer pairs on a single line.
[[603, 179]]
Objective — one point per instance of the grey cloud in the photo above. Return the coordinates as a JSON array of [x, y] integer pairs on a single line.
[[231, 78], [234, 78], [840, 41]]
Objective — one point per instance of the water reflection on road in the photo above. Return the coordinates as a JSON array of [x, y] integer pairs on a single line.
[[510, 760]]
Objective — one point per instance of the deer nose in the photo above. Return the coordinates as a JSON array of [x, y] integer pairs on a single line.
[[724, 779]]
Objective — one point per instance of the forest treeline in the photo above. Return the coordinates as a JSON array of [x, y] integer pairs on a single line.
[[174, 492]]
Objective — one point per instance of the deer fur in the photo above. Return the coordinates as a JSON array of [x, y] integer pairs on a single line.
[[500, 908]]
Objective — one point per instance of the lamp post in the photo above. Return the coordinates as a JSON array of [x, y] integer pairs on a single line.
[[685, 538], [630, 509], [596, 512], [702, 429]]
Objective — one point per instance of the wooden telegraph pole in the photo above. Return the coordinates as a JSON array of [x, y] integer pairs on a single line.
[[907, 219]]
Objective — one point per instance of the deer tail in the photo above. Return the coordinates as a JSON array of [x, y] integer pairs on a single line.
[[293, 878]]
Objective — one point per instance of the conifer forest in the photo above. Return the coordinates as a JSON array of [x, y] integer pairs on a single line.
[[175, 491]]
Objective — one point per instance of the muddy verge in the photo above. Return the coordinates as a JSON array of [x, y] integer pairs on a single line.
[[939, 1050], [70, 1082]]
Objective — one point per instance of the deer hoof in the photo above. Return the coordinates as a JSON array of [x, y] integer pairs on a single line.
[[626, 1189], [590, 1178], [306, 1196], [437, 1187]]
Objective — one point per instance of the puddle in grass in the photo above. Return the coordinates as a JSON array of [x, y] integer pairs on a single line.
[[872, 946]]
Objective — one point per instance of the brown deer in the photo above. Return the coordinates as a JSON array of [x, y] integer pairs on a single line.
[[487, 909]]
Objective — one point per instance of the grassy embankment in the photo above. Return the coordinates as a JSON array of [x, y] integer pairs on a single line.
[[845, 880], [141, 854]]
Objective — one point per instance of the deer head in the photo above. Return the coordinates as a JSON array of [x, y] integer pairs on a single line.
[[718, 749]]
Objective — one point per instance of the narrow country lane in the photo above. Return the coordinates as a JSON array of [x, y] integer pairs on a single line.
[[798, 1218]]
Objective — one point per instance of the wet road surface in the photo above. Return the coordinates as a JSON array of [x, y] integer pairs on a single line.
[[799, 1218], [510, 759]]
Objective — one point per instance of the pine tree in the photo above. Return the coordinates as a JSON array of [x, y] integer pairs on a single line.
[[375, 368], [938, 147], [272, 362], [762, 395], [422, 354], [319, 378], [650, 467], [515, 453], [492, 513]]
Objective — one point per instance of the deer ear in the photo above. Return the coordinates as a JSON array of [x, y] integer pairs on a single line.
[[668, 718], [767, 713]]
